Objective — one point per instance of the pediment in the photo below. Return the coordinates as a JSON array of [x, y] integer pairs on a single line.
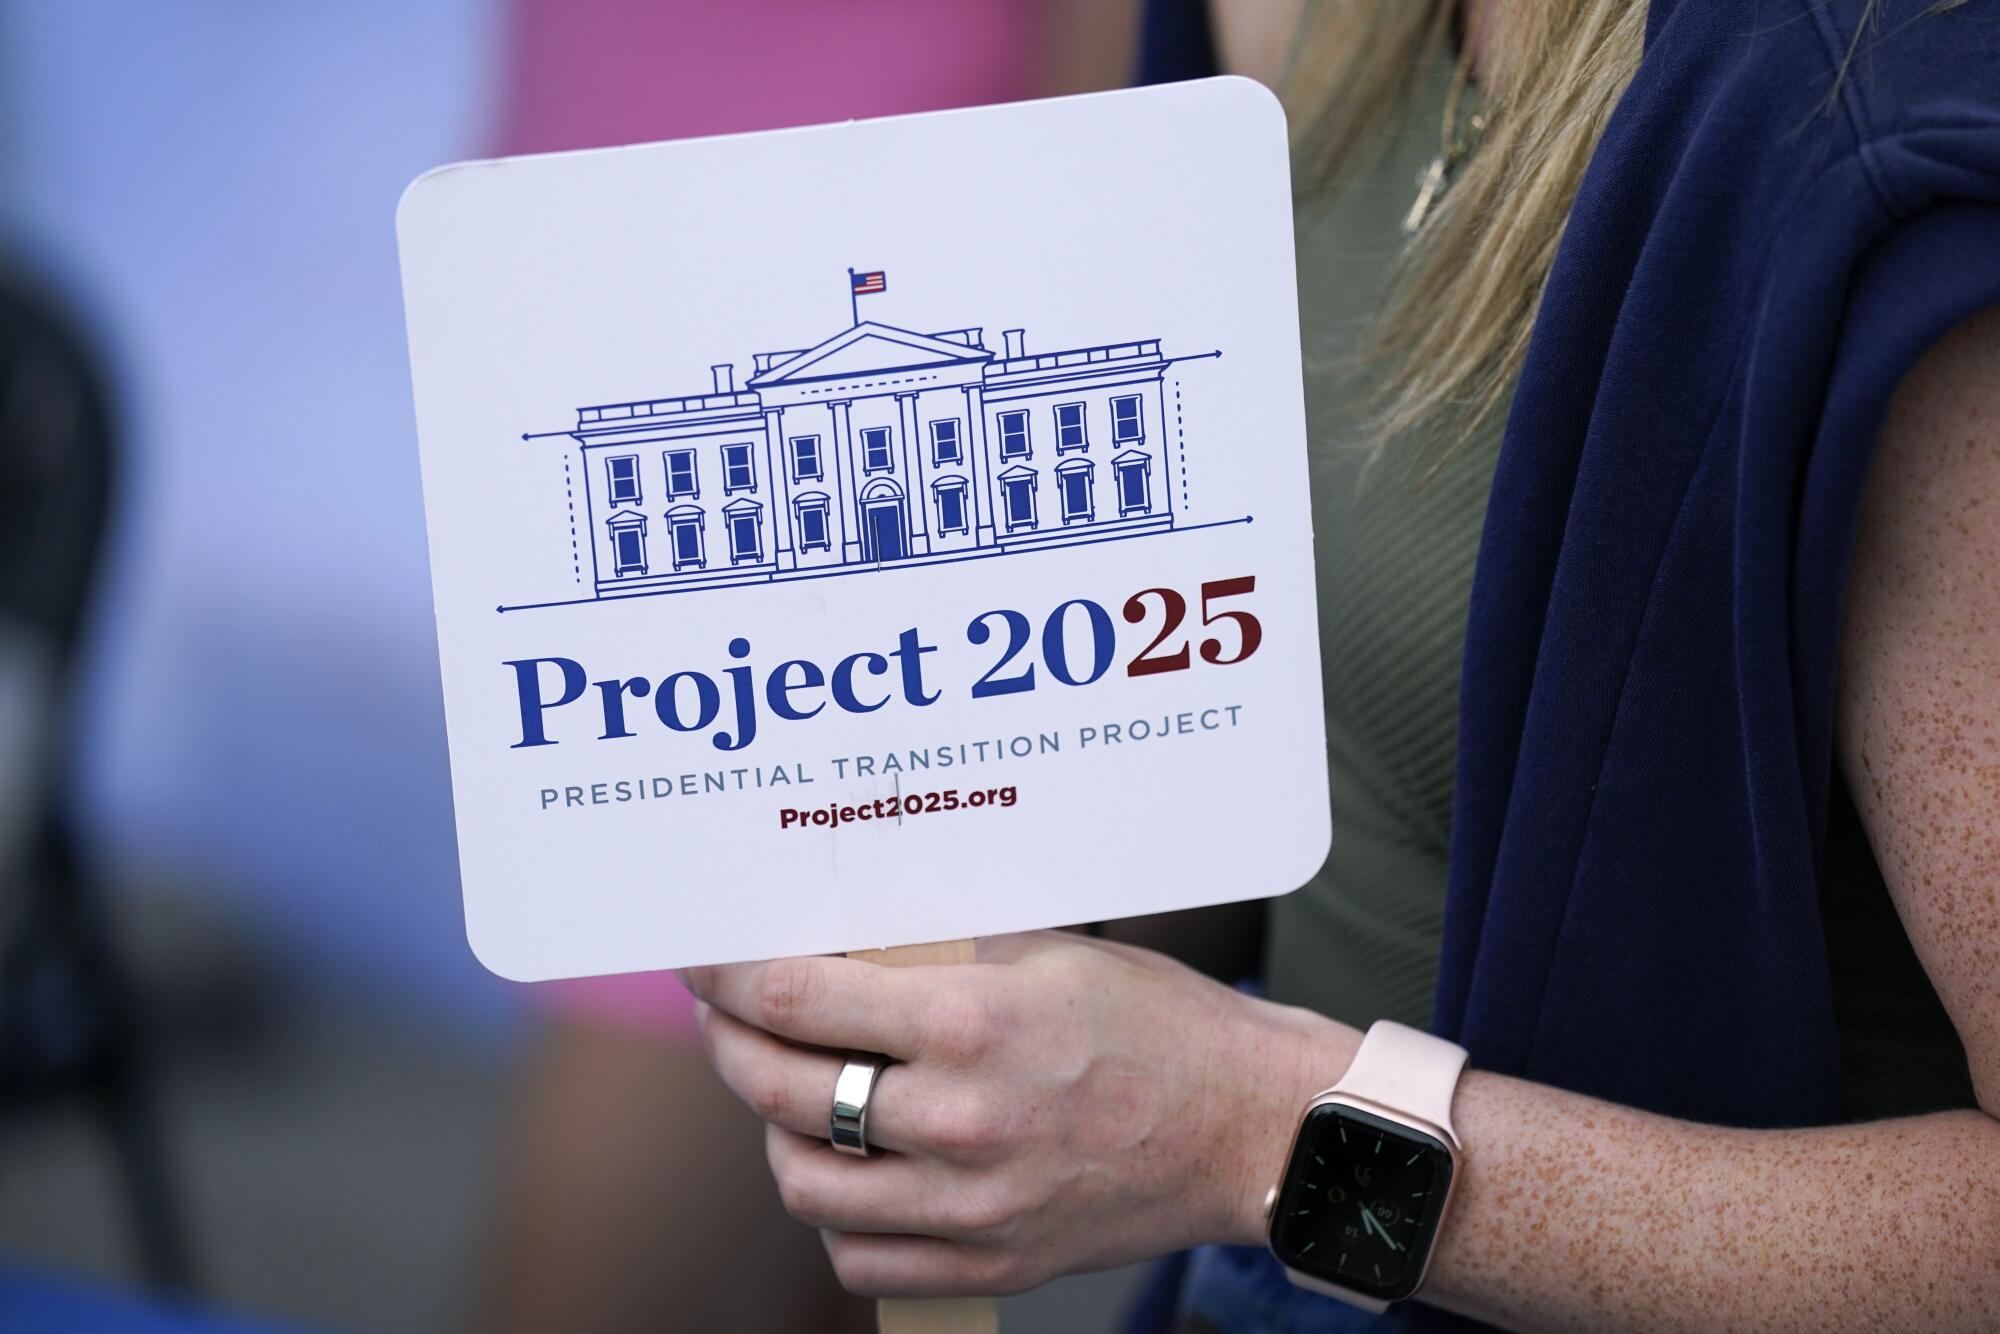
[[869, 349]]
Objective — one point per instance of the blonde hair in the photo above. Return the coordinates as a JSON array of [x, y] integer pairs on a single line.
[[1450, 338], [1453, 331]]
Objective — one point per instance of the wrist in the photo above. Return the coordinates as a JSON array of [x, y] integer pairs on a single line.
[[1285, 1056]]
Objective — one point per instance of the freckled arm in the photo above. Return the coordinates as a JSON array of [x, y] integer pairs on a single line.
[[1574, 1214], [1919, 723]]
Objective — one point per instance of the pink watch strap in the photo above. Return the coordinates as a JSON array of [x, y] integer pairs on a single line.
[[1406, 1070]]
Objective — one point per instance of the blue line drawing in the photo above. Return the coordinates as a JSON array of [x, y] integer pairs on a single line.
[[874, 449]]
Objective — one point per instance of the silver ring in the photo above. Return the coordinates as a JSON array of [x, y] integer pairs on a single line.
[[849, 1124]]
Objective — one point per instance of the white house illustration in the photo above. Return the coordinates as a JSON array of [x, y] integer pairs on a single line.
[[877, 447]]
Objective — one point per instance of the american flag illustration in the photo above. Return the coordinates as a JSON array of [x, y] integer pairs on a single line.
[[868, 284]]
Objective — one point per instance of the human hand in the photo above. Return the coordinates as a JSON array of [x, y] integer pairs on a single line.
[[1063, 1104]]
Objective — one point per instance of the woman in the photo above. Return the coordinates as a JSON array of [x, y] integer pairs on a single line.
[[1698, 853]]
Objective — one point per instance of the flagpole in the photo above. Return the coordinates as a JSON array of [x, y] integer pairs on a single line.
[[853, 301]]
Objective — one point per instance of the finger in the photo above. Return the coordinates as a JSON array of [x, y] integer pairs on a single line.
[[792, 1086], [873, 1264], [887, 1193], [829, 1002]]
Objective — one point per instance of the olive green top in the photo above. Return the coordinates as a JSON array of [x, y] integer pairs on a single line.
[[1395, 549]]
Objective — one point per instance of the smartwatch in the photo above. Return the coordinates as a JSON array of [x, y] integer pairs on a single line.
[[1372, 1167]]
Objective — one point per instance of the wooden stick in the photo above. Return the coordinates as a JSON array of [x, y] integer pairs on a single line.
[[910, 956], [949, 1315], [955, 1315]]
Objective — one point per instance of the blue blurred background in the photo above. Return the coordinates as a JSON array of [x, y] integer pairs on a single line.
[[211, 186]]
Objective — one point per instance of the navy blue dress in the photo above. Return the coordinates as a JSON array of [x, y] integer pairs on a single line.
[[1645, 759]]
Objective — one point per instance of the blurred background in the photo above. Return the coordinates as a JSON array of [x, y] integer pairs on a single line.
[[248, 1067]]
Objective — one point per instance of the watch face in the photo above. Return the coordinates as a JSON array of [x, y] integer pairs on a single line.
[[1360, 1202]]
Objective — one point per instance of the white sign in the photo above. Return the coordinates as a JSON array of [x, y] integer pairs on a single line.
[[870, 534]]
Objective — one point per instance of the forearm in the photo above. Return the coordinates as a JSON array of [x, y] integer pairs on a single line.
[[1576, 1214]]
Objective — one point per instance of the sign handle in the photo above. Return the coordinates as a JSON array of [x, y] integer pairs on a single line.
[[952, 1315]]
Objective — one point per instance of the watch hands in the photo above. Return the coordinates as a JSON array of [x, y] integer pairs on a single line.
[[1368, 1221]]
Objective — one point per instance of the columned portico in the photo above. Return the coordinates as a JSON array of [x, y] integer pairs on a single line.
[[777, 467], [843, 447], [982, 472], [913, 468]]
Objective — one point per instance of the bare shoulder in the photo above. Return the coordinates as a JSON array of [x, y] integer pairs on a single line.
[[1919, 727], [1254, 37]]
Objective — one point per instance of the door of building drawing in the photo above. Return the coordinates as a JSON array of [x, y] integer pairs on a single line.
[[882, 531]]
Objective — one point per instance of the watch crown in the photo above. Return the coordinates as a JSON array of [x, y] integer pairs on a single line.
[[1270, 1202]]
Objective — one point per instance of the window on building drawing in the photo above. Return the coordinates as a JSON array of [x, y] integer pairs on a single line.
[[806, 466], [623, 471], [628, 547], [1135, 483], [815, 533], [1019, 494], [739, 473], [946, 445], [682, 483], [875, 452], [951, 505], [1014, 435], [684, 535], [1069, 428], [1073, 485], [1128, 422], [745, 522]]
